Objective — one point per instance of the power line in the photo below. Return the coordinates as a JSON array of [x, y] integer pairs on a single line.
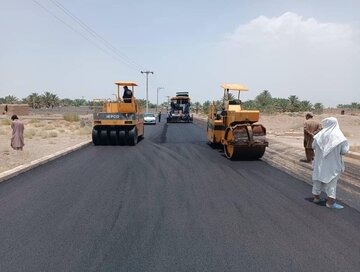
[[94, 38], [72, 28], [95, 34], [85, 37]]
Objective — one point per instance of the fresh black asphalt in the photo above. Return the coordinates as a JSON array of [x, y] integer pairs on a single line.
[[171, 203]]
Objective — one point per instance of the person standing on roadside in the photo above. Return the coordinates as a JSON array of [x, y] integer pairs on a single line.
[[329, 145], [17, 136], [311, 127], [159, 116]]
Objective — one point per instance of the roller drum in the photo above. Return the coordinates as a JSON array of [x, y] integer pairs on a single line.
[[245, 142]]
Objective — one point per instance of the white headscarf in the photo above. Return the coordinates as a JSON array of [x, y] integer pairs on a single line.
[[330, 136]]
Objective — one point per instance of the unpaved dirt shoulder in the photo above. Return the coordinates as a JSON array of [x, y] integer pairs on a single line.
[[44, 136], [284, 153]]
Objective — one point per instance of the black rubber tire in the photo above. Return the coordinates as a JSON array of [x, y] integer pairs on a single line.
[[133, 137], [122, 137], [104, 137], [95, 137], [113, 137]]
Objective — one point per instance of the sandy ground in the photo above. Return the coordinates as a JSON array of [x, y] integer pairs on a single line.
[[291, 125], [44, 135], [49, 133]]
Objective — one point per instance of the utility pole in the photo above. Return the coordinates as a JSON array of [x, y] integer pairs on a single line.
[[168, 98], [157, 97], [147, 86]]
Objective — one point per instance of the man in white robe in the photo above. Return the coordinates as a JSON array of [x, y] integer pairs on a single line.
[[17, 135], [329, 146]]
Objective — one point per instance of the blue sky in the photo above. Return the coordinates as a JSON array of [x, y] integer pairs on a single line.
[[306, 48]]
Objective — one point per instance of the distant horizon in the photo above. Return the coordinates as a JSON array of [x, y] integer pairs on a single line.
[[192, 101]]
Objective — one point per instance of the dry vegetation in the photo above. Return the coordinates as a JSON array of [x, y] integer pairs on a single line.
[[43, 135]]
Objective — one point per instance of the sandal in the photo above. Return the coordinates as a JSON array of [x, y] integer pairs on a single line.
[[318, 200], [335, 206]]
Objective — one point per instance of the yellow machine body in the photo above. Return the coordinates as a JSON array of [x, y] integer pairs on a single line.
[[118, 122], [236, 129]]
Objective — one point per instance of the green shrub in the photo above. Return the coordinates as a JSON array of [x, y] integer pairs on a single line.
[[49, 127], [38, 124], [53, 134], [84, 131], [5, 122], [29, 133], [33, 121], [44, 134], [71, 117]]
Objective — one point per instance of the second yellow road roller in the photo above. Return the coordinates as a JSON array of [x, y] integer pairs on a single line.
[[236, 129]]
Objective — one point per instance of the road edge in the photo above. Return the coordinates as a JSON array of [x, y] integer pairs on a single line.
[[31, 165]]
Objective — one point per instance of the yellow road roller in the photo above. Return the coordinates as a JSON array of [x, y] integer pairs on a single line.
[[234, 128], [179, 109], [119, 122]]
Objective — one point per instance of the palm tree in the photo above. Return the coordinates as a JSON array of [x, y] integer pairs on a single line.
[[50, 100], [249, 105], [79, 102], [34, 100], [66, 102], [355, 105], [197, 106], [55, 101], [318, 108], [305, 105], [281, 104], [231, 96], [10, 99], [219, 104], [294, 103], [264, 99], [205, 106]]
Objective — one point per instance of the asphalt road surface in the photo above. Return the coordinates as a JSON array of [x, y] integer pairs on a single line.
[[171, 203]]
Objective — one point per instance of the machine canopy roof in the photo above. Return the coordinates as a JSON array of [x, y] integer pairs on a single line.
[[235, 87], [124, 83]]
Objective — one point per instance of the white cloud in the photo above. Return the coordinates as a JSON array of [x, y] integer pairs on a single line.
[[290, 55], [290, 28]]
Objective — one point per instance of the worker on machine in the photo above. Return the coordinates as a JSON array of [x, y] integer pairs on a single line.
[[127, 95], [186, 110]]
